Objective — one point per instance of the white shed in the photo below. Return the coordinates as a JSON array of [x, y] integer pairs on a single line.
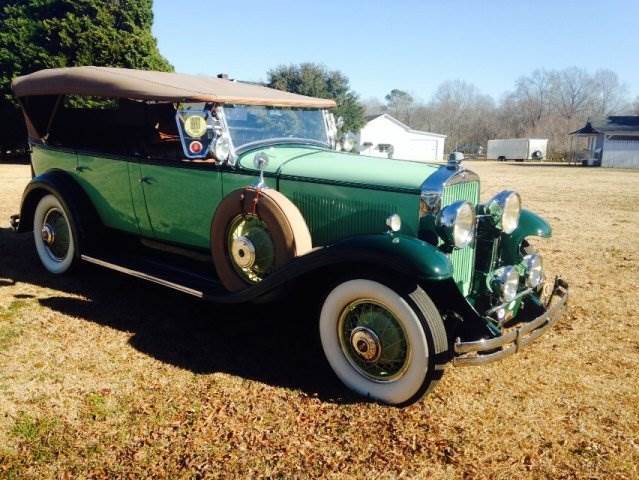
[[385, 136], [612, 142]]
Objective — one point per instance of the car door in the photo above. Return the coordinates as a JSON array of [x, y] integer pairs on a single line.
[[181, 198], [105, 179]]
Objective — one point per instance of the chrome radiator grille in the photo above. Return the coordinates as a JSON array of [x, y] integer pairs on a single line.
[[463, 260]]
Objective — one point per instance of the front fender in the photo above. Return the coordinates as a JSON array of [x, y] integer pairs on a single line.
[[530, 225], [397, 251], [402, 257]]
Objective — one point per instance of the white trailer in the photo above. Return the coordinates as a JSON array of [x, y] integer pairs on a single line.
[[517, 149]]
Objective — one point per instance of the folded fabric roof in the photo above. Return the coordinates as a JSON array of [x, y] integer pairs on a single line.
[[156, 86]]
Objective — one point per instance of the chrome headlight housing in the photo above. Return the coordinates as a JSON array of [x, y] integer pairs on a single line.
[[534, 268], [455, 224], [504, 210], [504, 282]]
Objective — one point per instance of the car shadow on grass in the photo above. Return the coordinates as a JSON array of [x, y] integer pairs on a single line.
[[275, 343]]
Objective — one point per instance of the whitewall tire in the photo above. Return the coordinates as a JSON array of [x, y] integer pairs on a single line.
[[54, 236], [382, 344]]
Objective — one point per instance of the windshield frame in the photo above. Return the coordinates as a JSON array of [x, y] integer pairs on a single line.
[[238, 150]]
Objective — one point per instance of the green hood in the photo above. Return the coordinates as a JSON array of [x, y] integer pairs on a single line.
[[330, 166]]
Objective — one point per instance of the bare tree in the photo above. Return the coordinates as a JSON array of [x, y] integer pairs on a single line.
[[459, 110], [545, 103], [572, 90], [610, 94], [372, 106], [532, 95]]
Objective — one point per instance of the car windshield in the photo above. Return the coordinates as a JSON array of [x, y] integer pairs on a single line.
[[250, 125]]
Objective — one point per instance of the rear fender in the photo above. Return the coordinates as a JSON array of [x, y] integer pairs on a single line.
[[72, 196]]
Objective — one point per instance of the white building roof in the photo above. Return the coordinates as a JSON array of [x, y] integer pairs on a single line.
[[404, 126]]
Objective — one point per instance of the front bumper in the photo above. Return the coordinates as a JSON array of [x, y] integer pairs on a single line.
[[493, 349]]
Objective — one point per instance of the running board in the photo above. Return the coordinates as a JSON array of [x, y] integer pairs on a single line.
[[143, 276]]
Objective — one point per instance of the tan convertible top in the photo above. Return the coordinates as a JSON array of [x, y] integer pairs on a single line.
[[156, 86]]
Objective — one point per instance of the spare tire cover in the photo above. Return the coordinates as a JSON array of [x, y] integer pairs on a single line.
[[284, 224]]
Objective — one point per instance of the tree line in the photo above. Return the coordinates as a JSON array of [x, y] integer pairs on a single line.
[[544, 104], [39, 34]]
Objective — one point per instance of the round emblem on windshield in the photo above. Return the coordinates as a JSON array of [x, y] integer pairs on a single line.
[[196, 147], [195, 126]]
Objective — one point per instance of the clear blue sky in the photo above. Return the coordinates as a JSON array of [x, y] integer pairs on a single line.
[[407, 44]]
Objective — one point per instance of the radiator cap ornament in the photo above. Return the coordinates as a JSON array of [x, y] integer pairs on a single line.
[[455, 161]]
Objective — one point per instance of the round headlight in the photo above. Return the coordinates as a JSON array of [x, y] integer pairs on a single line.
[[505, 208], [534, 270], [394, 222], [456, 224], [504, 282], [222, 148]]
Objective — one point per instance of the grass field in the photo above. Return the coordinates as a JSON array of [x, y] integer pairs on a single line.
[[104, 376]]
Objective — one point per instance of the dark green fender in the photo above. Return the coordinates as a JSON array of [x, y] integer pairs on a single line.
[[530, 225], [420, 258]]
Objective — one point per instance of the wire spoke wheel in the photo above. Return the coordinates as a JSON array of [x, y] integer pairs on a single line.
[[251, 248], [373, 340]]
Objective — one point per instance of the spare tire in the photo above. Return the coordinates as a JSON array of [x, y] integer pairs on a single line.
[[255, 231], [537, 155]]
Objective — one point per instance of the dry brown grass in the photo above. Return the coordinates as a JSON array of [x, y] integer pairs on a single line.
[[105, 376]]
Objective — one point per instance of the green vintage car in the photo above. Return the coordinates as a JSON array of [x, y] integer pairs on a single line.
[[233, 192]]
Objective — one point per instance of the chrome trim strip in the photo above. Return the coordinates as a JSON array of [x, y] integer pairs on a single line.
[[515, 339], [142, 275]]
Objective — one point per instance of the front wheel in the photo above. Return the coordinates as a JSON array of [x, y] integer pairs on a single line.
[[54, 236], [382, 344]]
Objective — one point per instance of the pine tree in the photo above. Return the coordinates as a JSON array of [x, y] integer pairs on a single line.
[[37, 34], [316, 81]]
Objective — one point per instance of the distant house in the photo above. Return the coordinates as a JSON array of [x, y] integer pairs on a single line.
[[612, 142], [385, 136]]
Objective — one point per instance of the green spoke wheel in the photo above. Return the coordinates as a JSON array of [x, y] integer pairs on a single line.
[[385, 341], [373, 340]]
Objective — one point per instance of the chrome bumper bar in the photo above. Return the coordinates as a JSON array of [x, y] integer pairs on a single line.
[[470, 353]]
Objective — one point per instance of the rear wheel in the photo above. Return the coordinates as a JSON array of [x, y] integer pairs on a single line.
[[53, 233], [382, 344]]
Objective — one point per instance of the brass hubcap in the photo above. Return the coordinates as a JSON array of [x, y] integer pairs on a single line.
[[366, 344], [243, 252], [56, 235], [250, 247], [48, 234]]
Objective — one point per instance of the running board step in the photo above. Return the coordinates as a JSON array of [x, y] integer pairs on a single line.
[[196, 292], [196, 279]]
